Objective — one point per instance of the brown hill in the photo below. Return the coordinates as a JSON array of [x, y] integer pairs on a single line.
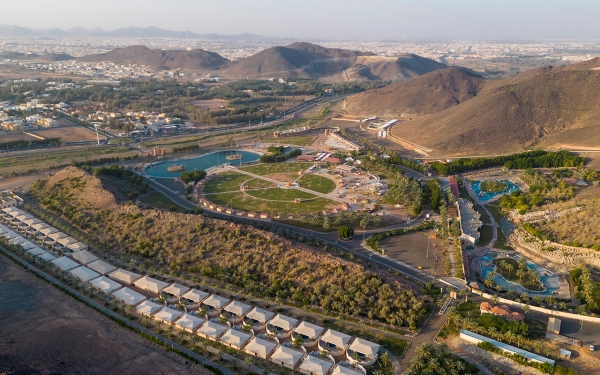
[[303, 60], [389, 68], [427, 94], [546, 107], [50, 57], [197, 59]]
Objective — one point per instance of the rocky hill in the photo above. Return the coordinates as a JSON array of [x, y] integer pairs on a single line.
[[389, 68], [546, 107], [197, 59], [424, 95]]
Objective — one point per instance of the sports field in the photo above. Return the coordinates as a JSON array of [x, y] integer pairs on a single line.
[[317, 183]]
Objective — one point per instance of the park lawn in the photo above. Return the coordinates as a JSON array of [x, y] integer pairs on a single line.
[[493, 186], [159, 200], [317, 183], [496, 212], [278, 194], [486, 234], [512, 276], [299, 140], [241, 201], [485, 218], [468, 309], [272, 168], [231, 181]]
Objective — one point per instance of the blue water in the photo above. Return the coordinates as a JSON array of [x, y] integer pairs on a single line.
[[484, 197], [201, 162], [550, 280]]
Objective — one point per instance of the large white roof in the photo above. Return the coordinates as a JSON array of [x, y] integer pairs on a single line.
[[40, 226], [46, 256], [260, 347], [84, 257], [195, 295], [283, 321], [57, 235], [148, 307], [48, 230], [23, 217], [124, 275], [105, 284], [287, 355], [364, 347], [32, 221], [36, 251], [168, 315], [260, 314], [235, 337], [316, 365], [27, 245], [189, 321], [16, 212], [101, 266], [65, 263], [65, 241], [212, 329], [336, 338], [344, 370], [176, 289], [238, 308], [150, 284], [308, 329], [216, 301], [129, 296], [84, 273]]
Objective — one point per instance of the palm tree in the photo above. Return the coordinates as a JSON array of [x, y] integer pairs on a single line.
[[495, 299], [493, 331], [385, 359], [362, 325], [526, 309]]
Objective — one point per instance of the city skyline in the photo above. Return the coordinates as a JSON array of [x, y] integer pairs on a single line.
[[334, 20]]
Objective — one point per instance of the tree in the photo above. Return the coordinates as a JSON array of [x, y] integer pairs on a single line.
[[345, 232], [385, 359], [326, 222]]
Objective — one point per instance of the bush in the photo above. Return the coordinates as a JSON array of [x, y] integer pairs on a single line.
[[345, 232], [194, 176]]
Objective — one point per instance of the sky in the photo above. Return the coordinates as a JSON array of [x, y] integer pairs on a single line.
[[324, 19]]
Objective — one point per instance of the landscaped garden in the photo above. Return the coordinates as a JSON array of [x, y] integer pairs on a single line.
[[317, 183], [493, 186], [518, 272]]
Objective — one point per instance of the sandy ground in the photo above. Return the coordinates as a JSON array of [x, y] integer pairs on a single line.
[[72, 133], [42, 330], [21, 182]]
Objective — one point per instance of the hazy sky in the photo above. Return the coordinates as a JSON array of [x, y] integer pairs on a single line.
[[325, 19]]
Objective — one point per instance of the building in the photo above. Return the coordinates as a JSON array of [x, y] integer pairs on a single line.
[[151, 285], [502, 310], [47, 122], [346, 142], [470, 222], [334, 342], [261, 346], [9, 199], [554, 325], [530, 357], [454, 187]]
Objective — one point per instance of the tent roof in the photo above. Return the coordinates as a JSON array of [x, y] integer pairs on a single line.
[[18, 240], [77, 246], [84, 273], [105, 284], [32, 221], [65, 263], [47, 256], [308, 329], [287, 355], [336, 338], [150, 284], [216, 301], [27, 245], [176, 289], [168, 315], [260, 346], [15, 212], [316, 365], [84, 257], [212, 329], [129, 296], [195, 295], [65, 241], [40, 226], [189, 321], [283, 321], [148, 307], [101, 266], [124, 275], [36, 251], [238, 308], [235, 337], [57, 235], [260, 314], [364, 347], [48, 230], [23, 217]]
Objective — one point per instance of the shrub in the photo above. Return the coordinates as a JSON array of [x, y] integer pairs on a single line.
[[345, 232]]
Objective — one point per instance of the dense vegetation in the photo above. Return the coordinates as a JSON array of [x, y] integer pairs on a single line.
[[586, 290], [492, 186], [533, 159], [433, 193], [193, 176], [32, 143], [345, 232], [279, 156], [248, 260], [432, 360]]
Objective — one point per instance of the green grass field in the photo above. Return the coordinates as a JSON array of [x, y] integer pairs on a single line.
[[317, 183], [231, 181], [300, 140], [241, 201], [159, 200], [264, 169], [278, 194]]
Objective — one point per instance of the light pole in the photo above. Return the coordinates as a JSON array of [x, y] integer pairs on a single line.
[[97, 136]]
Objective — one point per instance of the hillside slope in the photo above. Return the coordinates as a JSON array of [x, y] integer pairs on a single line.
[[389, 68], [427, 94], [197, 59], [546, 107]]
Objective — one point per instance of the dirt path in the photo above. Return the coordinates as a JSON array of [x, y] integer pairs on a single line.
[[44, 331]]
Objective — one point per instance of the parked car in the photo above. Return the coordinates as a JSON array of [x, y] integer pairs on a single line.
[[592, 348]]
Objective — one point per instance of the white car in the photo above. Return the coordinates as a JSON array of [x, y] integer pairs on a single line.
[[592, 348]]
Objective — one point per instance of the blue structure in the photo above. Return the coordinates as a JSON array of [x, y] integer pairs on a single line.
[[476, 339]]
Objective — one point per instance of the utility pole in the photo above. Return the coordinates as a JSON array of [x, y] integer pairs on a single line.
[[97, 136]]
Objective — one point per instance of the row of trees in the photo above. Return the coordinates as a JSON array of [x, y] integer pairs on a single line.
[[581, 278]]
